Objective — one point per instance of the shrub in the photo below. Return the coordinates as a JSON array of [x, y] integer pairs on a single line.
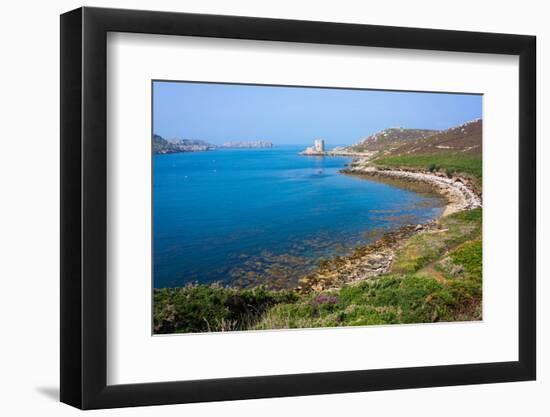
[[470, 256], [474, 215], [201, 308], [433, 167]]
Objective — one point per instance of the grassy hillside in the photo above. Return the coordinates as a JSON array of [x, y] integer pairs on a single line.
[[456, 150], [446, 162]]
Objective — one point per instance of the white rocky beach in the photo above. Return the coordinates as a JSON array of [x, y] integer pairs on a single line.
[[457, 190]]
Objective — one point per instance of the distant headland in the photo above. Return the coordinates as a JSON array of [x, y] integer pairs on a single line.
[[177, 145]]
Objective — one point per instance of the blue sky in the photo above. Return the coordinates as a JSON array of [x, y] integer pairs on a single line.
[[294, 115]]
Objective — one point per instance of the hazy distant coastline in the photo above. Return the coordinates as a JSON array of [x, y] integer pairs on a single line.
[[177, 145]]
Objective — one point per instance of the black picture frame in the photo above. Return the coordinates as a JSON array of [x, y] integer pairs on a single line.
[[84, 207]]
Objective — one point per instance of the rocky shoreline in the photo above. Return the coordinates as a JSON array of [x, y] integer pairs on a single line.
[[375, 259], [364, 263]]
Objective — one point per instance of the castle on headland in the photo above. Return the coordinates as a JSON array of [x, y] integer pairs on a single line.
[[318, 148]]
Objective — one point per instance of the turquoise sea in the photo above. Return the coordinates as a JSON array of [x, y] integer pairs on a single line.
[[266, 216]]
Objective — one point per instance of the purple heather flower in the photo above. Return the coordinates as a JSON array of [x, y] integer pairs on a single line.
[[325, 299]]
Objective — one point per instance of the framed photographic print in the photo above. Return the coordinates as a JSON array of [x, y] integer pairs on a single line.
[[258, 207]]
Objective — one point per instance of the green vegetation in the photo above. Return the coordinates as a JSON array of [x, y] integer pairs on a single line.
[[391, 299], [450, 163], [211, 308], [436, 276], [421, 249], [470, 256], [465, 260]]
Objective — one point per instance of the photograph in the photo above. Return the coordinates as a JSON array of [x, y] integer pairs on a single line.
[[275, 208], [298, 207]]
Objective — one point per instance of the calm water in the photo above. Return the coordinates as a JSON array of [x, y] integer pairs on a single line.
[[251, 216]]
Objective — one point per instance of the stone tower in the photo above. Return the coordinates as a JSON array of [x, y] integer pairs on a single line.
[[319, 145]]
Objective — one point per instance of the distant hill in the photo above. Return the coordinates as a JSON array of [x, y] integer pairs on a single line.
[[388, 138], [455, 150], [464, 138], [165, 146], [458, 149], [161, 145]]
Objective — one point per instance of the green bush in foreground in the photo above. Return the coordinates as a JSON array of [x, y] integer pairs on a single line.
[[387, 300], [207, 308], [469, 256], [475, 215]]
